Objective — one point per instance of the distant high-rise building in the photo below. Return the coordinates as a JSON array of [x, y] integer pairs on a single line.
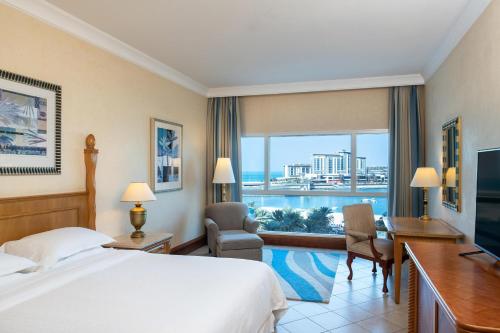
[[361, 165], [332, 164], [338, 164]]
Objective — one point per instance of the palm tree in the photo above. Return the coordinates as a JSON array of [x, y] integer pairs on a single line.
[[319, 221], [284, 220]]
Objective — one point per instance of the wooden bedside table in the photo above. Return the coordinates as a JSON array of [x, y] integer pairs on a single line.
[[153, 242]]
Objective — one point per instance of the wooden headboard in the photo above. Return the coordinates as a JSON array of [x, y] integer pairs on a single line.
[[23, 216]]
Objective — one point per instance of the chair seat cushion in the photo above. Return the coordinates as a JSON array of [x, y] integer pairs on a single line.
[[238, 240], [384, 246]]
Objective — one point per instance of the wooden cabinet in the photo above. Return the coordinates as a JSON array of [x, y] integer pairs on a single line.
[[449, 293]]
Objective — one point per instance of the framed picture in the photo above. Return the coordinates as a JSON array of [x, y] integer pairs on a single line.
[[30, 126], [166, 156]]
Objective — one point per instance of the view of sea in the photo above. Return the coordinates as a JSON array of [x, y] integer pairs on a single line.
[[336, 203], [258, 176]]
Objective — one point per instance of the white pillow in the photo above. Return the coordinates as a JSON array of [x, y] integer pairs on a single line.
[[12, 264], [48, 247]]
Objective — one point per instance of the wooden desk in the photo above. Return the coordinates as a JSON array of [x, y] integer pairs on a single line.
[[405, 229], [449, 293]]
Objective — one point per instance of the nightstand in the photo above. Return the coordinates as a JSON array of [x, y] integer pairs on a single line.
[[153, 242]]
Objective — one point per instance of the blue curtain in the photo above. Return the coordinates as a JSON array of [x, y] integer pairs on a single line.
[[223, 140], [406, 149]]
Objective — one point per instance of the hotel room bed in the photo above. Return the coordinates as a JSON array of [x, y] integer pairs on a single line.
[[106, 290], [131, 291]]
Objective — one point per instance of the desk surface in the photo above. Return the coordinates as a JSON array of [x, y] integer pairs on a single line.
[[468, 287], [414, 227]]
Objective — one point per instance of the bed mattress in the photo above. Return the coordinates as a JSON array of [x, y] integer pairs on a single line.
[[132, 291]]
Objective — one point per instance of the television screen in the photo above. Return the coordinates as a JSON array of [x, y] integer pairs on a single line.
[[488, 202]]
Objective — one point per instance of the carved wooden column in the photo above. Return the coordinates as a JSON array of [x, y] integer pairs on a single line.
[[412, 297], [90, 166]]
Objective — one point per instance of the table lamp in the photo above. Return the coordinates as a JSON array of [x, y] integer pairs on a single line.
[[138, 193], [425, 178], [223, 174]]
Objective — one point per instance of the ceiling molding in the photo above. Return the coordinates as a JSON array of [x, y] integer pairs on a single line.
[[315, 86], [62, 20], [469, 15]]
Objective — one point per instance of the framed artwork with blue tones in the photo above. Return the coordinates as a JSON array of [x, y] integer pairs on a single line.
[[30, 126], [166, 156]]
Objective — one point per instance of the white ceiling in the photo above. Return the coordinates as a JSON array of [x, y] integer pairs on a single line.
[[224, 43]]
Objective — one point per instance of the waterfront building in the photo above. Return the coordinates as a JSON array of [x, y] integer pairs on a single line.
[[323, 164], [337, 164], [361, 166], [297, 170], [379, 174]]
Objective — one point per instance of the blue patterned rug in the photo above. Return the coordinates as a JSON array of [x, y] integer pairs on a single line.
[[304, 275]]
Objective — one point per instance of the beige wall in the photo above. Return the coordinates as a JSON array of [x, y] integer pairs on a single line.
[[467, 85], [113, 99], [315, 112]]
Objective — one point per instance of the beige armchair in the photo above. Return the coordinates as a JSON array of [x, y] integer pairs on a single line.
[[231, 232], [362, 241]]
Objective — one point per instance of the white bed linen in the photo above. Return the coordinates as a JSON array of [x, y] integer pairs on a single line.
[[12, 279], [132, 291]]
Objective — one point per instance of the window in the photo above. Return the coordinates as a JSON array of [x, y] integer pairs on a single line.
[[310, 163], [252, 160], [300, 183], [372, 168]]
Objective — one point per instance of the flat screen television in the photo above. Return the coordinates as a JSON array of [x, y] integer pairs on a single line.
[[487, 236]]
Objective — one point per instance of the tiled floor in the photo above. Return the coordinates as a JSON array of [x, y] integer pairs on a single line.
[[356, 306]]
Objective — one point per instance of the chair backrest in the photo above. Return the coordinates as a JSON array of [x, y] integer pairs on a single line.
[[227, 215], [359, 218]]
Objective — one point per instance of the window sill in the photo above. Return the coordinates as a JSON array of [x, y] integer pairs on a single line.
[[299, 239]]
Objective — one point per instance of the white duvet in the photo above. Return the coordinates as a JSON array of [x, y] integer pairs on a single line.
[[132, 291]]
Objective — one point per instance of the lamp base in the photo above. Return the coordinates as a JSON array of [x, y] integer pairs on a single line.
[[425, 218], [137, 234], [223, 198], [137, 219]]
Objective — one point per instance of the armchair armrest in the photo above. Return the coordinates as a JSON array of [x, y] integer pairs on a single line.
[[211, 226], [375, 253], [358, 234], [250, 225], [362, 236], [212, 233]]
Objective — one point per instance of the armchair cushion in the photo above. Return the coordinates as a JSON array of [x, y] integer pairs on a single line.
[[238, 239], [384, 246], [358, 218]]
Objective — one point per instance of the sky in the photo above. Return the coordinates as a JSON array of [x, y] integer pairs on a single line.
[[299, 149]]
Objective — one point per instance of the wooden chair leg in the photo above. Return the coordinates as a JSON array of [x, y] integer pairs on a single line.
[[350, 258], [385, 272], [374, 270], [390, 269]]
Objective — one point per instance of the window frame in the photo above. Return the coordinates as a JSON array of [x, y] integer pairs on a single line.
[[353, 165]]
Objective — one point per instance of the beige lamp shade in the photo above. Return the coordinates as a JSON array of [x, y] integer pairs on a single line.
[[223, 171], [138, 192], [425, 177], [451, 177]]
